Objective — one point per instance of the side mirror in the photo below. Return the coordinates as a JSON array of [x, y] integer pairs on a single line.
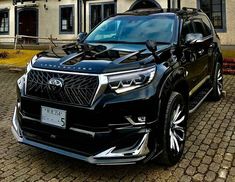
[[152, 47], [81, 36], [192, 38]]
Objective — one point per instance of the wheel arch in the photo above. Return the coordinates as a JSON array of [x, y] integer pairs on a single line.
[[174, 81]]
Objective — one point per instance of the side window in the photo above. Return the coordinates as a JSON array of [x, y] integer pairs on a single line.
[[207, 25], [100, 11], [186, 29], [198, 26], [4, 22], [66, 19]]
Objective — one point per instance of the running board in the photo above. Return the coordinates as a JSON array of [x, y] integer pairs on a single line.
[[193, 107]]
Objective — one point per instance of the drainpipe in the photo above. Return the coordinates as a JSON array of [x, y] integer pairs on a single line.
[[179, 4], [84, 4], [169, 4], [79, 15]]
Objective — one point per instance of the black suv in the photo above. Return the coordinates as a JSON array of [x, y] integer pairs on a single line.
[[123, 93]]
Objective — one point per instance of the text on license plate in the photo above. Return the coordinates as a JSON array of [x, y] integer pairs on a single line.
[[54, 117]]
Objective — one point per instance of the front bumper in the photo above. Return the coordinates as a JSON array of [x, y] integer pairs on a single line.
[[111, 155]]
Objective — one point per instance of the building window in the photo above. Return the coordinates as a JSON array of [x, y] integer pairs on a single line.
[[66, 19], [215, 10], [4, 22], [99, 12]]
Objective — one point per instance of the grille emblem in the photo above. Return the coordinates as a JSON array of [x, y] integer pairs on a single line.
[[55, 84]]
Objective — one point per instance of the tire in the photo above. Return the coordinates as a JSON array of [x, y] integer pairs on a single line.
[[174, 130], [217, 83]]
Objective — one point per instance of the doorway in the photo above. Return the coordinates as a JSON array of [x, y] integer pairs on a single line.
[[27, 24]]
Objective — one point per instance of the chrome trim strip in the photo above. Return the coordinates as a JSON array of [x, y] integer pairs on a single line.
[[140, 150], [134, 123], [103, 81], [83, 131], [196, 107], [199, 85], [32, 119]]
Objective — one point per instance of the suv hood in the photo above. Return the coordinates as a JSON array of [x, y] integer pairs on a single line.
[[111, 58]]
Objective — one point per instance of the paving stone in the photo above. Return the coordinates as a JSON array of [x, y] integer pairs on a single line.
[[207, 160], [191, 170], [198, 177], [223, 173], [208, 156], [214, 167], [210, 176], [202, 168]]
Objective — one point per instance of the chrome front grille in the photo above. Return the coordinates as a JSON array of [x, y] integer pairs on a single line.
[[76, 90]]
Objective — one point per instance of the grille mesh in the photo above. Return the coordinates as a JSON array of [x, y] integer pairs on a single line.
[[77, 89]]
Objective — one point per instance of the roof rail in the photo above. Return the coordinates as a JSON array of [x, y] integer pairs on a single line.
[[189, 10]]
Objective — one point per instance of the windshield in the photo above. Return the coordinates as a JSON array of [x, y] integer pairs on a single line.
[[134, 29]]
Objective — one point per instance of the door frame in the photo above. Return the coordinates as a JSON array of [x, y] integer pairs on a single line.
[[19, 10]]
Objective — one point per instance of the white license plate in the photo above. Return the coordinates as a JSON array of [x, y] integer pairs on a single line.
[[54, 117]]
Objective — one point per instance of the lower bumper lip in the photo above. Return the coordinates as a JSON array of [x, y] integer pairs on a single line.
[[107, 157]]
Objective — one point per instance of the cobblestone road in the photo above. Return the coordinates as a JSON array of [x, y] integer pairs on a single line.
[[209, 153]]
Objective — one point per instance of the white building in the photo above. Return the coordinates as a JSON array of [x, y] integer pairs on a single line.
[[64, 19]]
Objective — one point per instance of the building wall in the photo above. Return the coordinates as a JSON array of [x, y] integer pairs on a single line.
[[228, 37], [124, 5], [48, 19], [8, 4]]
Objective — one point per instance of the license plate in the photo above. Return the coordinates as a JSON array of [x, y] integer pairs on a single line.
[[54, 117]]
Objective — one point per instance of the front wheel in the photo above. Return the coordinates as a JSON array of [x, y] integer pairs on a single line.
[[175, 127]]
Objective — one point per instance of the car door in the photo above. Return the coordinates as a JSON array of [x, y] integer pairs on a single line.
[[189, 56], [209, 42], [202, 48]]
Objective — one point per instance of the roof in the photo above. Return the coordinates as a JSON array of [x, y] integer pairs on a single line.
[[179, 12]]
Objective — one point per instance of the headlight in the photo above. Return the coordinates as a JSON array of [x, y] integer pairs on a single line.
[[129, 81], [31, 63], [21, 82]]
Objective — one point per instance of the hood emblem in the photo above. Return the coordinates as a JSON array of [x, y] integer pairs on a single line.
[[55, 84]]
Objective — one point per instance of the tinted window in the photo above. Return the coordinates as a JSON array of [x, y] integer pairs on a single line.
[[207, 26], [4, 22], [66, 19], [186, 29], [198, 25]]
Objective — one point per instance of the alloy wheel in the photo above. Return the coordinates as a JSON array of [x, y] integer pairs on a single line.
[[177, 129], [219, 82]]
